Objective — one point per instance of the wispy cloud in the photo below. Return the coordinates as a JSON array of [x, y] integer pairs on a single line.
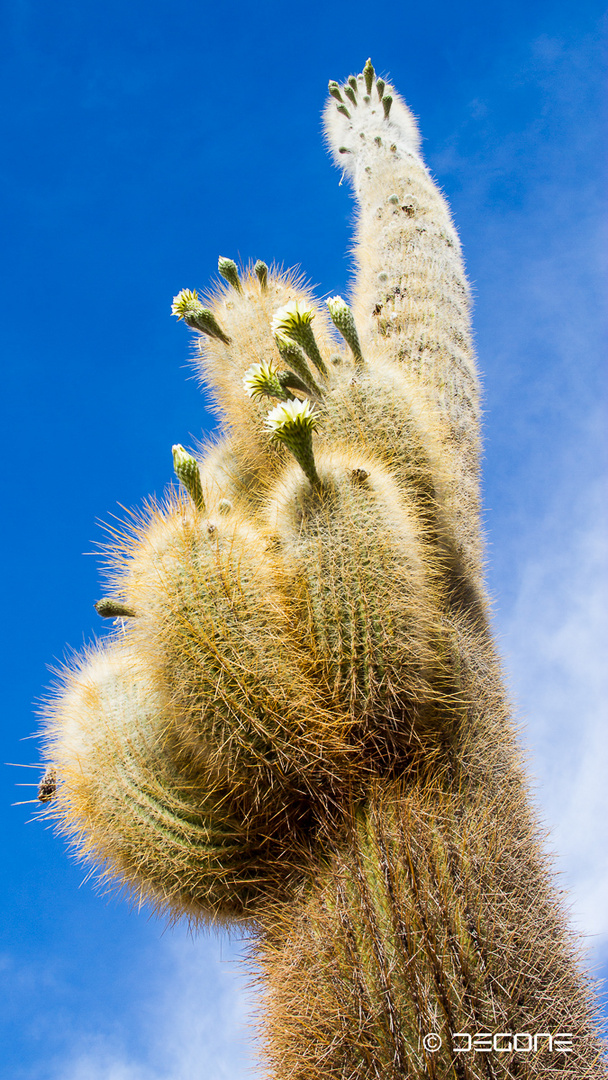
[[555, 637], [192, 1022]]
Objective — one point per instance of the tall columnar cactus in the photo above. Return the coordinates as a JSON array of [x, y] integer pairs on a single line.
[[300, 721]]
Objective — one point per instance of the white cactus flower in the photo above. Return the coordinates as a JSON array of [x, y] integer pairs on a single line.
[[257, 377], [183, 301], [336, 305], [292, 415], [262, 380], [291, 317]]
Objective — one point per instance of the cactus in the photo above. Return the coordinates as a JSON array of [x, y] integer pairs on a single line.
[[299, 721]]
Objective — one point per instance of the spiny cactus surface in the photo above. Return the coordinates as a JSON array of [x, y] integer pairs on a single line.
[[299, 719]]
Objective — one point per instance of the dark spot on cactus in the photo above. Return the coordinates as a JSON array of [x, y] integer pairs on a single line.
[[377, 309], [211, 528], [344, 150], [47, 788], [409, 208], [358, 476]]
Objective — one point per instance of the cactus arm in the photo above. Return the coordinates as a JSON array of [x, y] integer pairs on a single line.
[[411, 298]]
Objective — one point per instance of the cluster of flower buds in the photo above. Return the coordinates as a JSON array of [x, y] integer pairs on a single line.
[[294, 419]]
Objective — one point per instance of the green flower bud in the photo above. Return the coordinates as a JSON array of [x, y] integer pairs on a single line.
[[334, 90], [380, 84], [387, 101], [229, 270], [342, 318], [109, 608], [368, 75], [352, 82], [295, 358], [350, 93], [261, 272], [293, 321], [342, 109], [187, 470]]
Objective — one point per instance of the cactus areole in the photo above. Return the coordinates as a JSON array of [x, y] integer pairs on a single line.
[[297, 720]]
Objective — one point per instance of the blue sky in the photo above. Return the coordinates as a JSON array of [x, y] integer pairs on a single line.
[[140, 142]]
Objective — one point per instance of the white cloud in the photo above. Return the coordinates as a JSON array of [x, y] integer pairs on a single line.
[[193, 1021], [555, 639]]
